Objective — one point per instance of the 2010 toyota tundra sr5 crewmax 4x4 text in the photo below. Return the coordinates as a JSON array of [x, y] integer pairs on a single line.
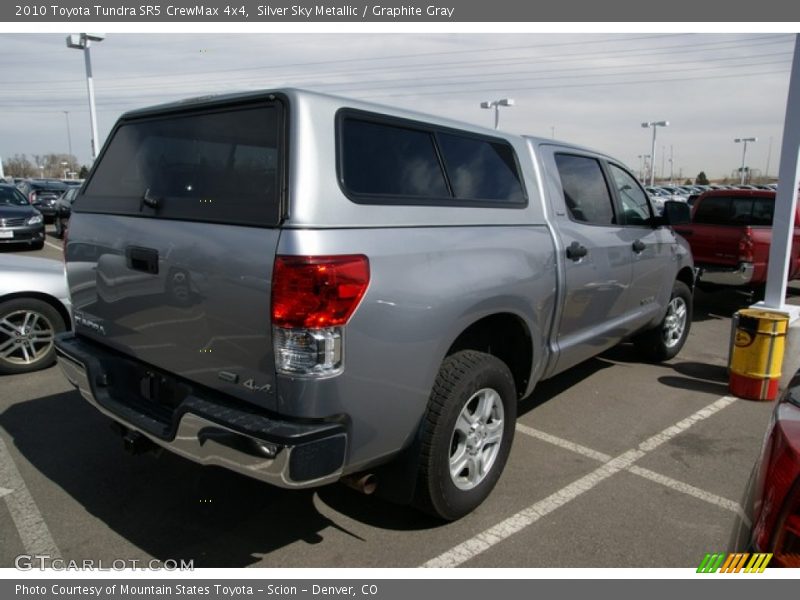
[[303, 288]]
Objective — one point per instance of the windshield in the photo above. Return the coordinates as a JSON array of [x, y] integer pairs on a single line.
[[50, 186], [12, 197]]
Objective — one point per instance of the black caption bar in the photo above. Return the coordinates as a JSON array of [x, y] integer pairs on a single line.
[[385, 589], [266, 11]]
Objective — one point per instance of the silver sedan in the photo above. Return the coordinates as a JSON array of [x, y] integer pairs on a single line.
[[34, 306]]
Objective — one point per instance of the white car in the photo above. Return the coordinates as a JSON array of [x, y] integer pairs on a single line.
[[34, 307]]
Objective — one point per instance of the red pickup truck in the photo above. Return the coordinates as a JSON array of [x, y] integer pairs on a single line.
[[730, 234]]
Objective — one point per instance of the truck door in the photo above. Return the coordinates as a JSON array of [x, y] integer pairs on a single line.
[[596, 257], [652, 250]]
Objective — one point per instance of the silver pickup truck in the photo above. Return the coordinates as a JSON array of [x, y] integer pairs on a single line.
[[306, 289]]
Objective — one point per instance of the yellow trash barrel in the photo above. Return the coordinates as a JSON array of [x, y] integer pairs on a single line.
[[756, 353]]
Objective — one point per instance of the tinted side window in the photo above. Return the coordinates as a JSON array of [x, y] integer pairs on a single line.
[[713, 211], [221, 166], [12, 196], [635, 207], [585, 190], [381, 159], [763, 211], [480, 169]]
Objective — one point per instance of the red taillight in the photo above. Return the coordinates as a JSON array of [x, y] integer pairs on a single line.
[[313, 292], [787, 544], [776, 527], [746, 246]]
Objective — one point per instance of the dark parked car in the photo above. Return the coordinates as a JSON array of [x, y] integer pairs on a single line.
[[63, 208], [771, 522], [42, 194], [20, 223]]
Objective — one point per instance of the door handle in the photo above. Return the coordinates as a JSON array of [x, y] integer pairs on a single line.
[[639, 246], [576, 252], [142, 259]]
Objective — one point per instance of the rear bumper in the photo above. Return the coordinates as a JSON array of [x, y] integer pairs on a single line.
[[205, 428], [739, 276], [45, 209]]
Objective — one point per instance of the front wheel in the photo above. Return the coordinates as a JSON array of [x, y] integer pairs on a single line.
[[666, 340], [466, 434]]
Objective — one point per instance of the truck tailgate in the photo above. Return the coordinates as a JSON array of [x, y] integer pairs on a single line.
[[188, 298]]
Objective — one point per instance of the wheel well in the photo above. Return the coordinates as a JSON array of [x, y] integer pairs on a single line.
[[505, 336], [686, 275], [44, 298]]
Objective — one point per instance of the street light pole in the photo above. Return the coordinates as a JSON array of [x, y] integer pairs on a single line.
[[744, 151], [496, 104], [654, 125], [671, 161], [69, 134], [83, 42]]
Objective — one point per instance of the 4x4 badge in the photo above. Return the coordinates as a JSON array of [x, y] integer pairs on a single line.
[[250, 384]]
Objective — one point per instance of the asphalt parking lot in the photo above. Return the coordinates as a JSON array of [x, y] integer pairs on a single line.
[[615, 464]]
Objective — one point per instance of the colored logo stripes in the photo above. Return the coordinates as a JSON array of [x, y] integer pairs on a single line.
[[734, 562]]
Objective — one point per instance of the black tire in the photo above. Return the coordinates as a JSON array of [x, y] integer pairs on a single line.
[[758, 293], [462, 384], [664, 341], [20, 352], [37, 245]]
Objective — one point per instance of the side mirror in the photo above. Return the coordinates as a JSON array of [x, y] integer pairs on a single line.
[[676, 213]]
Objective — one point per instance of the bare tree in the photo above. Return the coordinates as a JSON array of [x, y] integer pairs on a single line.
[[19, 166]]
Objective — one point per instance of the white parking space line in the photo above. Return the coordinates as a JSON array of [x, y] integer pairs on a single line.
[[516, 523], [669, 482], [562, 443], [53, 245], [690, 490], [32, 529]]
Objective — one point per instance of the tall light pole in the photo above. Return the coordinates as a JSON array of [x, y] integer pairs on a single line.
[[69, 133], [496, 104], [654, 125], [671, 161], [769, 155], [83, 41], [744, 151]]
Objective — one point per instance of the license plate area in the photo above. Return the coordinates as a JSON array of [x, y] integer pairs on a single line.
[[6, 234], [160, 390], [146, 390]]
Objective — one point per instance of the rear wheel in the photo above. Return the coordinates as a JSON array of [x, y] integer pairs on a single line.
[[467, 434], [666, 340], [27, 330]]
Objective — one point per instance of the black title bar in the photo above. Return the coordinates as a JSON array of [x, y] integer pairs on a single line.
[[281, 11]]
